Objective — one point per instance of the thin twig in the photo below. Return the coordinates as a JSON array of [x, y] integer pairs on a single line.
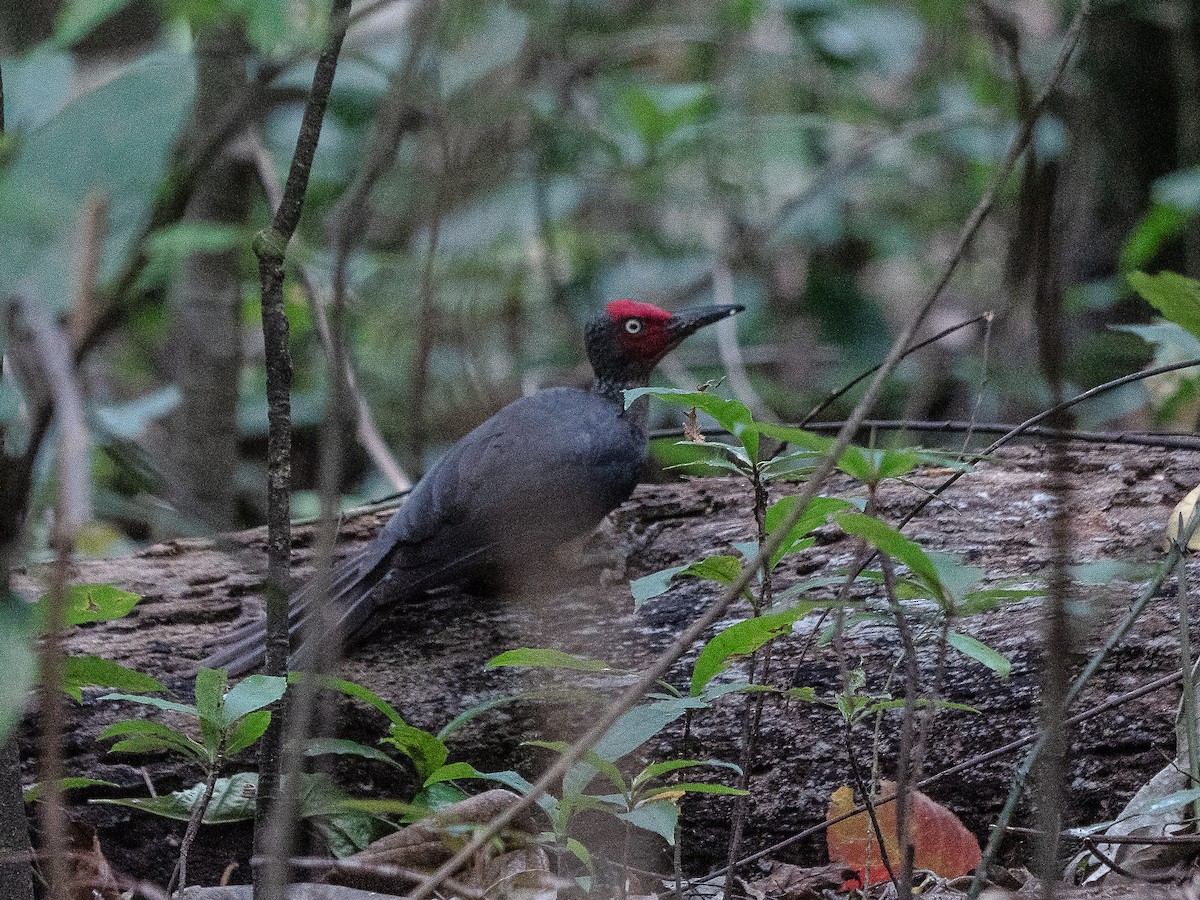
[[920, 345], [1191, 729], [193, 828], [752, 703], [1042, 182], [366, 427], [275, 815], [16, 879], [1093, 848], [864, 791], [985, 357], [904, 772], [72, 509]]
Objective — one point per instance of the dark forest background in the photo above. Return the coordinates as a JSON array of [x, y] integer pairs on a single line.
[[489, 175]]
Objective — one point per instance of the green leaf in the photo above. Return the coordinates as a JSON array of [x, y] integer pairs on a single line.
[[1177, 798], [660, 112], [210, 695], [149, 735], [959, 580], [549, 659], [1106, 571], [895, 463], [653, 585], [232, 801], [86, 603], [210, 707], [268, 25], [716, 455], [980, 652], [412, 812], [33, 793], [438, 795], [19, 626], [462, 770], [582, 854], [697, 787], [350, 831], [471, 712], [95, 671], [720, 569], [888, 540], [717, 691], [792, 466], [814, 516], [345, 747], [654, 770], [353, 691], [1159, 224], [989, 598], [798, 437], [169, 248], [1180, 189], [250, 694], [657, 816], [856, 462], [37, 84], [602, 766], [248, 729], [710, 458], [741, 639], [803, 694], [731, 415], [629, 732], [152, 745], [156, 702], [1175, 296], [428, 754], [78, 18], [91, 148], [453, 772]]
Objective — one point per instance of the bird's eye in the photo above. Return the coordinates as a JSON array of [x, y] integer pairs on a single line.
[[633, 326]]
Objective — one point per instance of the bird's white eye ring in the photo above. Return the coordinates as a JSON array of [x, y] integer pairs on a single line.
[[633, 326]]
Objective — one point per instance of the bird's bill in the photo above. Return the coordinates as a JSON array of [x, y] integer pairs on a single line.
[[688, 321]]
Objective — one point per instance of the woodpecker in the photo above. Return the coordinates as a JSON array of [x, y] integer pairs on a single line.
[[543, 470]]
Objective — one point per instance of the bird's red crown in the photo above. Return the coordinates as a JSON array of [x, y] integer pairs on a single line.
[[624, 309]]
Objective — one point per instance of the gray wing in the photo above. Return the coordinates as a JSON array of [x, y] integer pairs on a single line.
[[544, 469]]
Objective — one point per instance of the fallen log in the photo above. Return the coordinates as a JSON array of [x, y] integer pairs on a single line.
[[428, 658]]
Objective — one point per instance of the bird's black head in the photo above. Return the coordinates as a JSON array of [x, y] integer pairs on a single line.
[[627, 340]]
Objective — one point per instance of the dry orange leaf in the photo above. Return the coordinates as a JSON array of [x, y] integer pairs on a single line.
[[943, 844]]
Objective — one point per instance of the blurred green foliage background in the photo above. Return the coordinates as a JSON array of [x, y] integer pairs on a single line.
[[504, 169]]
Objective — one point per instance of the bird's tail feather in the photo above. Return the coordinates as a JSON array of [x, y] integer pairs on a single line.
[[349, 591], [350, 596]]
